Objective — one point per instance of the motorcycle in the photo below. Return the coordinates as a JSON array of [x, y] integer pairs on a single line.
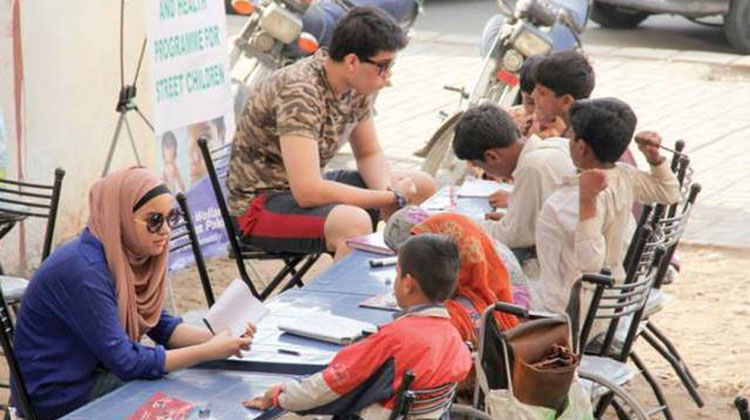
[[524, 29], [280, 32]]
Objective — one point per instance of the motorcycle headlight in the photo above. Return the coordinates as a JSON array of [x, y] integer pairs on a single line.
[[529, 41], [280, 23], [262, 41], [513, 60]]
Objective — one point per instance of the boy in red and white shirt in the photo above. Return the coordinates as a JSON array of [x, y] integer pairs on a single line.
[[363, 379]]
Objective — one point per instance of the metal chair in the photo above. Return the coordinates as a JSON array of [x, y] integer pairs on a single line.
[[616, 305], [18, 201], [184, 235], [672, 225], [671, 220], [742, 407], [413, 402], [295, 265], [6, 340]]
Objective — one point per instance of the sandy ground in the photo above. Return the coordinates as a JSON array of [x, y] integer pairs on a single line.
[[707, 320]]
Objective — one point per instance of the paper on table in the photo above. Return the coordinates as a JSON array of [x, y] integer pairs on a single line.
[[234, 309], [482, 188], [330, 328]]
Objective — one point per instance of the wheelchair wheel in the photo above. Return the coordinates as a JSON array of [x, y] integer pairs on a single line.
[[610, 401]]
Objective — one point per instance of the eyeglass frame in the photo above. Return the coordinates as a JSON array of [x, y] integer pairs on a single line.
[[172, 218], [383, 67]]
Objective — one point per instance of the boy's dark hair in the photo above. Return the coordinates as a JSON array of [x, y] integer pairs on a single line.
[[482, 128], [528, 73], [168, 141], [365, 31], [605, 124], [566, 72], [432, 260]]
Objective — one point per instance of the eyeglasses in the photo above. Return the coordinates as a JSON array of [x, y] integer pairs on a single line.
[[383, 66], [154, 221]]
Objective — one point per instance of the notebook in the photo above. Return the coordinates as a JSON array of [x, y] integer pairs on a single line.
[[385, 301], [373, 242], [482, 188], [234, 309], [329, 328]]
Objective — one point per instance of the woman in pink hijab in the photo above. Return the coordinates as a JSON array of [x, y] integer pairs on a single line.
[[90, 303]]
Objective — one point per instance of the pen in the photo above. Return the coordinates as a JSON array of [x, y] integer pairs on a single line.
[[382, 262], [289, 352]]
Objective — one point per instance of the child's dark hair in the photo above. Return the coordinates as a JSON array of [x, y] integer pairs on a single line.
[[433, 260], [365, 31], [528, 73], [168, 141], [605, 124], [482, 128], [566, 73]]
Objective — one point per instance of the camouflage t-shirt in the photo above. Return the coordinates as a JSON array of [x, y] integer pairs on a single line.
[[296, 100]]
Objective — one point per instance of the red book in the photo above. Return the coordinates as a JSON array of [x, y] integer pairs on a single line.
[[162, 406], [373, 242]]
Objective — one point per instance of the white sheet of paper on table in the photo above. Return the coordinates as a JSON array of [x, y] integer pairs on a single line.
[[482, 188]]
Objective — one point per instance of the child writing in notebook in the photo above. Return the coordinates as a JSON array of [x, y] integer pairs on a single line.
[[363, 378]]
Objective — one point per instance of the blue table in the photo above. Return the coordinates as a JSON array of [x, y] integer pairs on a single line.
[[353, 275], [223, 385], [220, 386]]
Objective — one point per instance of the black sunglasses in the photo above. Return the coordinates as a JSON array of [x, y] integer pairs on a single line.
[[155, 221], [383, 66]]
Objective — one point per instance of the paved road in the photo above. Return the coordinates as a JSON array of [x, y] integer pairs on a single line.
[[466, 18], [699, 100]]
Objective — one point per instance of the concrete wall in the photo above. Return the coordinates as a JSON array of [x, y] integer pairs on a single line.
[[72, 80]]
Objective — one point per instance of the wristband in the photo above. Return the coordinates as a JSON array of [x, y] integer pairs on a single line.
[[400, 199]]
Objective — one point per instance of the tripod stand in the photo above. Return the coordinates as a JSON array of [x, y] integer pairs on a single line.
[[125, 102]]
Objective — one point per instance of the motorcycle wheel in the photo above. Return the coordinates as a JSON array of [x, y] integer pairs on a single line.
[[441, 141], [737, 25], [614, 17]]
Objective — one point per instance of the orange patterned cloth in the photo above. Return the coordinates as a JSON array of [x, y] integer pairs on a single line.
[[482, 276]]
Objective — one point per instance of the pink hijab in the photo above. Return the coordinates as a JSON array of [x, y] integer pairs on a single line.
[[139, 277]]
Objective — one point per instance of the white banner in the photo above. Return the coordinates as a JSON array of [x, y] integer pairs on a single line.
[[189, 63]]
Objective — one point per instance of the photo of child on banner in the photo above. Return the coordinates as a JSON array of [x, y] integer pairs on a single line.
[[181, 166]]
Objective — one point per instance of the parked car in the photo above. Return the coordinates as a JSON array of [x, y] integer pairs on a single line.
[[622, 14]]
